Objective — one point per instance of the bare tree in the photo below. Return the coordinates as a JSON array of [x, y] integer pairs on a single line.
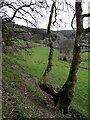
[[29, 11], [64, 44], [20, 9], [63, 97]]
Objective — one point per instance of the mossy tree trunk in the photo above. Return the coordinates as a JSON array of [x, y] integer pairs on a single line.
[[63, 97], [68, 89], [49, 66]]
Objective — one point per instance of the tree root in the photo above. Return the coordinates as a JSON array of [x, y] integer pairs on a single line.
[[62, 97]]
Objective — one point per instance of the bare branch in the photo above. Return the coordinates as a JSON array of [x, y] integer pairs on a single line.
[[27, 21], [50, 18], [85, 51], [19, 7], [87, 30], [73, 20], [86, 15], [26, 12], [18, 10], [42, 82], [69, 5], [55, 15]]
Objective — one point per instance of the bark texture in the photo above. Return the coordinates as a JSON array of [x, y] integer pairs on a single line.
[[68, 89], [63, 97], [42, 83]]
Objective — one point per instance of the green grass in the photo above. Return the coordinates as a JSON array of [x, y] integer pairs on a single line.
[[12, 82], [85, 56], [32, 42], [21, 42], [34, 65]]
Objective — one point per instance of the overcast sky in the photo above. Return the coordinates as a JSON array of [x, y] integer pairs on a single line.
[[66, 17]]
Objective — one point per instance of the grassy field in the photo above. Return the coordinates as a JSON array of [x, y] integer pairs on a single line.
[[21, 67], [84, 57]]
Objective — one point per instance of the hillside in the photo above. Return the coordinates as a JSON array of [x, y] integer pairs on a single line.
[[70, 34], [22, 98], [22, 68], [40, 35], [44, 72], [43, 32]]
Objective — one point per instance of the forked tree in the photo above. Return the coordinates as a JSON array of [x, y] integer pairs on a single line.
[[64, 96]]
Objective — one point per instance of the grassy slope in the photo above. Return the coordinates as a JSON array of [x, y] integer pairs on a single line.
[[84, 57], [34, 66], [19, 97]]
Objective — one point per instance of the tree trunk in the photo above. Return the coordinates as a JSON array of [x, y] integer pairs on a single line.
[[42, 83], [63, 97], [68, 89]]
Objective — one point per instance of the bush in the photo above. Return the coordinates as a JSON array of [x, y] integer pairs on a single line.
[[64, 58]]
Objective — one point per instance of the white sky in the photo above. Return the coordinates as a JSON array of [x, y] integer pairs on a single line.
[[66, 17]]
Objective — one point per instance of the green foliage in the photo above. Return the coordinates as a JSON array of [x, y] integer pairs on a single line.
[[85, 57], [20, 114], [18, 41]]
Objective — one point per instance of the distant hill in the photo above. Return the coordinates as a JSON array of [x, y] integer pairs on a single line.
[[42, 33], [68, 33]]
